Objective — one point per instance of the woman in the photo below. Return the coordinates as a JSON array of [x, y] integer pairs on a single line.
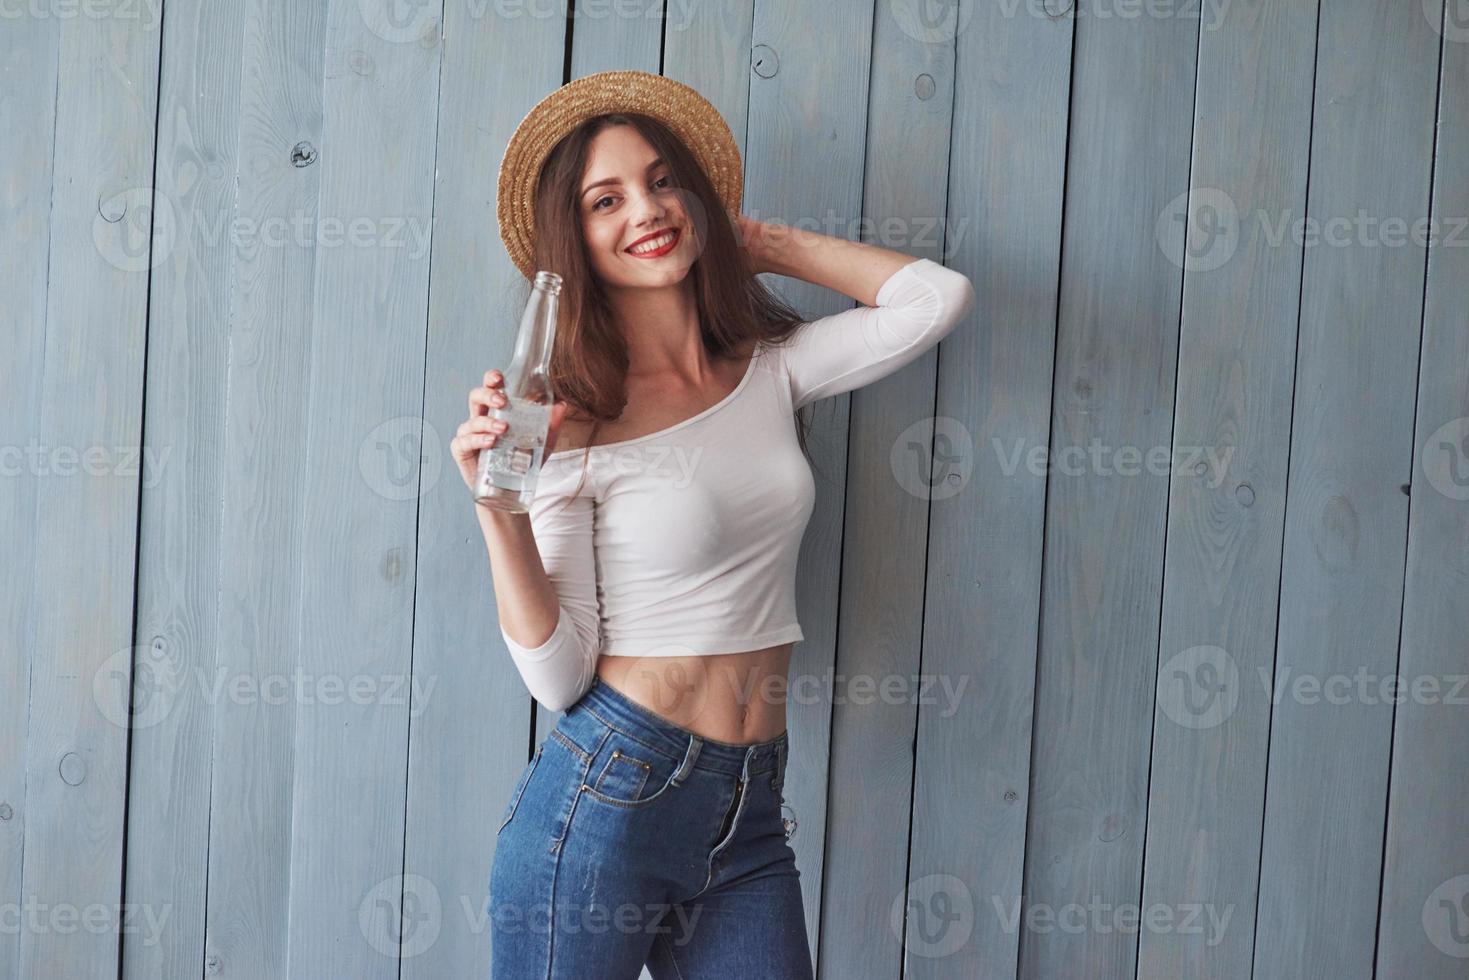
[[650, 591]]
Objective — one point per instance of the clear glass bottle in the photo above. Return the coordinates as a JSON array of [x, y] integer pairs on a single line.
[[506, 477]]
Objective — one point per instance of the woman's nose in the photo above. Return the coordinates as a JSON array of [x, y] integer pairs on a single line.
[[647, 208]]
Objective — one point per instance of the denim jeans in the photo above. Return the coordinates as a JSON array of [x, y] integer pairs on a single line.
[[629, 840]]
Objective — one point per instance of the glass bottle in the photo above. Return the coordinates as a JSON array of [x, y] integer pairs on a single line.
[[507, 472]]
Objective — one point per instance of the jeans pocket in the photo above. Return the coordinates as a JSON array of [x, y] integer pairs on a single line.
[[627, 773], [519, 790]]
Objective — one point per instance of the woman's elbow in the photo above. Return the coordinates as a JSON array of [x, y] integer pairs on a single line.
[[959, 297]]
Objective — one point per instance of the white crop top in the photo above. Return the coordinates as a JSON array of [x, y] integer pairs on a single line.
[[683, 542]]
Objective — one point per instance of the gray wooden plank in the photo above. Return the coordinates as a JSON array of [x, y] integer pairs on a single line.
[[1346, 514], [179, 550], [910, 107], [89, 413], [803, 164], [707, 46], [261, 526], [1421, 925], [1241, 297], [983, 579], [478, 707], [352, 912], [617, 36], [1116, 344], [28, 65]]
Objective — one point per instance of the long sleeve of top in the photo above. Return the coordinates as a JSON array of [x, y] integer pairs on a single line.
[[656, 556], [559, 671], [916, 307]]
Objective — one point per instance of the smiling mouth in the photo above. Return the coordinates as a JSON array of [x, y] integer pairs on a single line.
[[654, 247]]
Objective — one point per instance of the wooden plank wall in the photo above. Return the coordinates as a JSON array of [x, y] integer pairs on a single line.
[[1134, 565], [1346, 519], [75, 325], [1425, 868], [29, 53]]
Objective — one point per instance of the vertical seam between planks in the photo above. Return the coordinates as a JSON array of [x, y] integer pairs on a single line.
[[1285, 494], [1020, 944], [842, 523], [1408, 524], [138, 510], [928, 510], [1142, 865], [428, 292]]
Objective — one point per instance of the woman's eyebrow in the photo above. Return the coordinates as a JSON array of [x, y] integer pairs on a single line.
[[618, 180]]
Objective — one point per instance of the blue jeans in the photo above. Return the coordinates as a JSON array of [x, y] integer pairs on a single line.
[[629, 840]]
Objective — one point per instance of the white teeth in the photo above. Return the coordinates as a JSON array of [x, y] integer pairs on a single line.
[[653, 245]]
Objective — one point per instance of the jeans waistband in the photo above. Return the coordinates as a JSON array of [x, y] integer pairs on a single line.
[[698, 751]]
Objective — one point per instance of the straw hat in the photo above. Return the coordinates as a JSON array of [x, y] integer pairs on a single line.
[[678, 106]]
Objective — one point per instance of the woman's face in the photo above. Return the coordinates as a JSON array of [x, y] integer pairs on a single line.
[[628, 198]]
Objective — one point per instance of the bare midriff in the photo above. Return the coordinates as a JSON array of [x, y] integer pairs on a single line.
[[738, 698]]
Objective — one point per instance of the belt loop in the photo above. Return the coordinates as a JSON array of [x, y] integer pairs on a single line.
[[780, 764], [689, 758]]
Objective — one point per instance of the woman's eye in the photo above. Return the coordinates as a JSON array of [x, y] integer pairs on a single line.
[[664, 181]]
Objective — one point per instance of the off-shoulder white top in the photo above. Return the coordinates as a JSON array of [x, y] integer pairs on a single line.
[[683, 542]]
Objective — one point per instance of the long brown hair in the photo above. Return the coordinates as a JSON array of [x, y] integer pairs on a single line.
[[589, 357]]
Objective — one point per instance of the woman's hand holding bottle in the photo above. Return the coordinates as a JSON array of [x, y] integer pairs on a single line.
[[481, 430]]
